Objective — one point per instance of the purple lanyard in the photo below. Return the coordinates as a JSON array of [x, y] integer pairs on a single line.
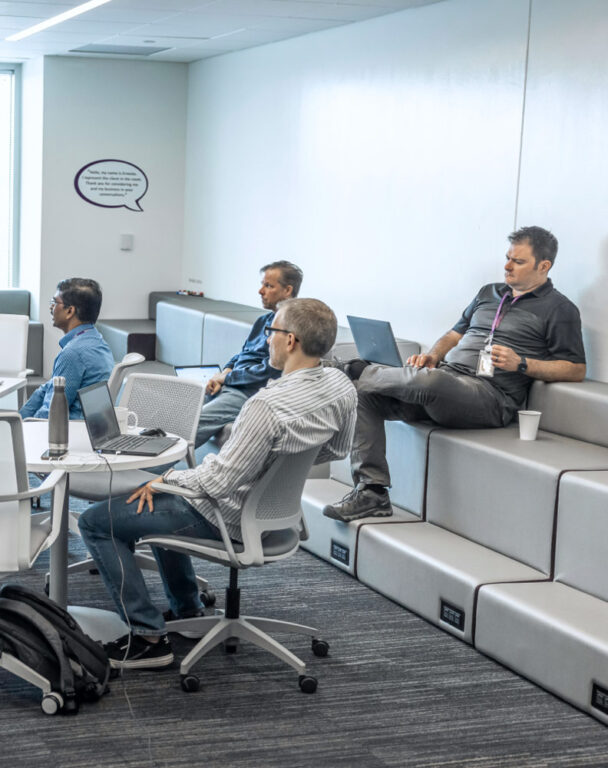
[[499, 316]]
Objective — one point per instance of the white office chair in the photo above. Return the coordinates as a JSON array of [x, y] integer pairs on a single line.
[[272, 527], [159, 401], [119, 372], [23, 535]]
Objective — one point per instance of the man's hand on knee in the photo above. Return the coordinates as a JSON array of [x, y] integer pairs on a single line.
[[423, 361], [144, 493]]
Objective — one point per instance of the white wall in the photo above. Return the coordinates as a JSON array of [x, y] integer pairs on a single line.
[[383, 158], [134, 111]]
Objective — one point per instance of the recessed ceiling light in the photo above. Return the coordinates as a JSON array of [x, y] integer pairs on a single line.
[[57, 19]]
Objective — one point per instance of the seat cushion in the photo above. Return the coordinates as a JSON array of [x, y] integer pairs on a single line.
[[553, 634], [500, 491], [433, 572]]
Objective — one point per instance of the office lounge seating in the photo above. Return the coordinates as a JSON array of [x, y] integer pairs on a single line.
[[271, 526], [490, 514], [556, 632]]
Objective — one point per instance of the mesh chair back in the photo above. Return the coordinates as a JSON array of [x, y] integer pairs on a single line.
[[275, 501], [165, 401], [13, 350]]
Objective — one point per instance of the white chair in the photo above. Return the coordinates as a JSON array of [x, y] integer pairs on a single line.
[[14, 331], [272, 527], [119, 372], [159, 401], [23, 535]]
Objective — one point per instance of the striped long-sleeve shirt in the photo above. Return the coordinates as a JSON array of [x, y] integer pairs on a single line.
[[302, 409]]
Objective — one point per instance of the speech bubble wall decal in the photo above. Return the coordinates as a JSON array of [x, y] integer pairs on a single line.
[[112, 184]]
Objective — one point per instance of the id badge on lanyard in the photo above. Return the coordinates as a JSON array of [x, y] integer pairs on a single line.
[[485, 366]]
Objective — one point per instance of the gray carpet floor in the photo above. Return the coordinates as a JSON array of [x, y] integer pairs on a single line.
[[394, 691]]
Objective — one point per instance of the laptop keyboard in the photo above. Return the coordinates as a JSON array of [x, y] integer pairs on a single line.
[[127, 443]]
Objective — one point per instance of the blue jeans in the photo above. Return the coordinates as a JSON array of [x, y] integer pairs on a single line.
[[110, 540], [218, 411]]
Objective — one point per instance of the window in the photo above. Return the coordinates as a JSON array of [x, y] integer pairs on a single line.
[[8, 177]]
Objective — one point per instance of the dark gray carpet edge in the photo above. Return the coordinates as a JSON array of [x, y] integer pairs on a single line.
[[394, 691]]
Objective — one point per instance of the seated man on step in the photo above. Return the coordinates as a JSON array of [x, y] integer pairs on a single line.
[[307, 406], [477, 374], [249, 369]]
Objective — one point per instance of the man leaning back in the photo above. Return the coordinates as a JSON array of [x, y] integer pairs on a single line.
[[249, 369], [476, 375]]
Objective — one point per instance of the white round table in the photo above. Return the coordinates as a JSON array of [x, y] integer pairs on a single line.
[[82, 458]]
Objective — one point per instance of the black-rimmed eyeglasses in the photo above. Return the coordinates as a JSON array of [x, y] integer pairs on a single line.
[[268, 329]]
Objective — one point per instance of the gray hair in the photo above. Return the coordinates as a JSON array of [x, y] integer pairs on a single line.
[[312, 322]]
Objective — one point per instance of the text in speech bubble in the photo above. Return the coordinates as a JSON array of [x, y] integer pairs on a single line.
[[112, 184]]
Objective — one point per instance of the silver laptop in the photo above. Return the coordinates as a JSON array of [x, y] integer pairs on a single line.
[[375, 341], [200, 373], [102, 426]]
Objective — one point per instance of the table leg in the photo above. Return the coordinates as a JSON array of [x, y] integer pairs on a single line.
[[58, 577]]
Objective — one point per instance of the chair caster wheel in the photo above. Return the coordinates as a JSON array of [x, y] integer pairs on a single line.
[[208, 598], [320, 647], [307, 684], [51, 703], [190, 683], [231, 645]]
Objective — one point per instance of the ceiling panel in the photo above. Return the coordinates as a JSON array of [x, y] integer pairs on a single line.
[[194, 29]]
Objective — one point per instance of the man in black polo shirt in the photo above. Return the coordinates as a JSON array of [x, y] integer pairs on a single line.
[[476, 375]]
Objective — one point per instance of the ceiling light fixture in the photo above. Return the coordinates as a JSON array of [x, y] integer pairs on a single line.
[[57, 19]]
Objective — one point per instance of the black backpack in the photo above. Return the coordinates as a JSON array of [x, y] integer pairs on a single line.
[[41, 643]]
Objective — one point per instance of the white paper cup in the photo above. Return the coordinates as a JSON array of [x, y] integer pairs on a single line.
[[528, 424], [125, 418]]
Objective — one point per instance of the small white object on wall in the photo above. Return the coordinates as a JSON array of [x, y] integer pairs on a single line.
[[126, 242]]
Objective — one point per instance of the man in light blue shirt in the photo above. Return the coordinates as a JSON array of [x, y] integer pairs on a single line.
[[85, 358]]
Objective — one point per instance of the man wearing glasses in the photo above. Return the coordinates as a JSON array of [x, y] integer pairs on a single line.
[[85, 358], [308, 406], [250, 369]]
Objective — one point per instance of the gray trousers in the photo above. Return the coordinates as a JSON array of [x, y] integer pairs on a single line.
[[219, 411], [449, 398]]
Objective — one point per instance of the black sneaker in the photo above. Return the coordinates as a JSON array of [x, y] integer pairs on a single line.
[[169, 616], [135, 652], [358, 503]]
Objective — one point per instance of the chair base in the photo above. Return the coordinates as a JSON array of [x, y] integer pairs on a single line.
[[214, 630]]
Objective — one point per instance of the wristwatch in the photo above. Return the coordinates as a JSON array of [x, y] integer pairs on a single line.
[[523, 366]]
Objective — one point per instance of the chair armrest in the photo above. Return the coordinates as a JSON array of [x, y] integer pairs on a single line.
[[176, 490], [187, 493], [45, 487]]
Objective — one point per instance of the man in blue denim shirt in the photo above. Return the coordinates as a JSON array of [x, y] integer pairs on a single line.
[[85, 358], [250, 369]]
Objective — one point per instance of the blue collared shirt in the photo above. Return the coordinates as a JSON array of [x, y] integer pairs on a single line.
[[85, 359]]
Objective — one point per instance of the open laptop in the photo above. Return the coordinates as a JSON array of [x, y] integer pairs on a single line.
[[375, 341], [102, 426], [200, 373]]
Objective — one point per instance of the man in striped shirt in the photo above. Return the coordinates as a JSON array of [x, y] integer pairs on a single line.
[[308, 406]]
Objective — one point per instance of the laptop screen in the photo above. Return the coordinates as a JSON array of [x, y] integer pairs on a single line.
[[99, 414], [200, 373], [375, 341]]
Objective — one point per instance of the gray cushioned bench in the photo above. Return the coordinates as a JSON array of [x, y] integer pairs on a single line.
[[490, 513], [556, 632]]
